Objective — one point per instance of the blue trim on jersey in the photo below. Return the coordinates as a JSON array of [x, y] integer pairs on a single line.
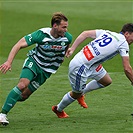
[[107, 57], [121, 33], [78, 77]]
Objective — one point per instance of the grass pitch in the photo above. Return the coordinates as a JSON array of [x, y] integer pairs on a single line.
[[109, 108]]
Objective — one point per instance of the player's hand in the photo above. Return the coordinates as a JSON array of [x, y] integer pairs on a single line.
[[69, 52], [5, 67]]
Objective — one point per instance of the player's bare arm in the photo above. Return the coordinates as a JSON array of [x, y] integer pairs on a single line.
[[127, 68], [82, 37], [7, 65]]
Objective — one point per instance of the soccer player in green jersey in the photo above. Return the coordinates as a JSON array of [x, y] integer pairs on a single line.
[[43, 60]]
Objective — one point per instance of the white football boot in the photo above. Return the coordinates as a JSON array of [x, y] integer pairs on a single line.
[[3, 119]]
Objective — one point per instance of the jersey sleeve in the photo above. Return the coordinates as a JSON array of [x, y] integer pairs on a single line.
[[98, 32], [124, 49], [69, 37], [33, 38]]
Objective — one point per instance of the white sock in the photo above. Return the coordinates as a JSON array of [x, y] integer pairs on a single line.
[[92, 85], [66, 100]]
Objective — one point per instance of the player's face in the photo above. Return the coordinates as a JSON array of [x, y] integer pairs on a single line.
[[61, 28], [129, 37]]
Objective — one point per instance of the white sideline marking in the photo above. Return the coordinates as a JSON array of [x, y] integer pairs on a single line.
[[4, 79], [61, 75]]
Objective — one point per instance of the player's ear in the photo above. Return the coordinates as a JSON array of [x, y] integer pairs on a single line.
[[55, 25], [126, 33]]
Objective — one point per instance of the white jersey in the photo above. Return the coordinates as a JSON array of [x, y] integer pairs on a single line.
[[106, 45]]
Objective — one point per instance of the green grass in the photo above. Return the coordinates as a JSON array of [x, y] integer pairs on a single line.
[[109, 108]]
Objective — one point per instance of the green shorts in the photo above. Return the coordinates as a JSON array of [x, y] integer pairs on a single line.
[[34, 73]]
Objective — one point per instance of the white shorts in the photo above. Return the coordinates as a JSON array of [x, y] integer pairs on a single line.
[[79, 74]]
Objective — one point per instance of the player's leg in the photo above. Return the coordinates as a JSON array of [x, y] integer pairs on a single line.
[[58, 110], [18, 93], [23, 86], [106, 80], [30, 80], [67, 99], [11, 100], [78, 80], [101, 79], [75, 77]]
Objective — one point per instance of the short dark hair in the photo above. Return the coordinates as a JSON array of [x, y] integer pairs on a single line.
[[127, 28], [57, 17]]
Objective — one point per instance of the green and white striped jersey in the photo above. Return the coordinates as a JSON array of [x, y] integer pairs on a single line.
[[49, 51]]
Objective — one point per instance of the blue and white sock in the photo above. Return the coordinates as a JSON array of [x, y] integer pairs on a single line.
[[92, 85], [66, 100]]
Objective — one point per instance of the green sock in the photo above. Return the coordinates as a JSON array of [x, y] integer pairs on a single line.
[[12, 98]]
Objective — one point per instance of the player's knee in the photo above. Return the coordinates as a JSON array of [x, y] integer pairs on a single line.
[[23, 83], [108, 82], [21, 86]]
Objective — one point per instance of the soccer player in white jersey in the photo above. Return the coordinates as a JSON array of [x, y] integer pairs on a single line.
[[87, 63], [43, 60]]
